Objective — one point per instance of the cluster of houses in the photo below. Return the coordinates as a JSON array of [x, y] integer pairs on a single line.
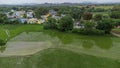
[[28, 16]]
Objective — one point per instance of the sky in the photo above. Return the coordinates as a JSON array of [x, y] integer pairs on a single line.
[[53, 1]]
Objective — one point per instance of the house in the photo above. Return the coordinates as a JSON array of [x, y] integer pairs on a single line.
[[40, 21], [15, 14], [35, 21], [56, 17], [45, 17], [29, 14], [19, 14], [8, 15], [78, 25], [32, 21], [52, 12]]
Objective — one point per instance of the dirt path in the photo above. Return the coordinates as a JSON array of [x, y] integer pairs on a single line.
[[115, 34]]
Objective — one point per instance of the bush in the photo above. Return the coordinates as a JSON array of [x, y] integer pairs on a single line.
[[105, 17], [88, 32], [76, 30], [2, 43], [115, 15], [50, 24], [116, 22], [89, 25], [98, 17], [91, 32]]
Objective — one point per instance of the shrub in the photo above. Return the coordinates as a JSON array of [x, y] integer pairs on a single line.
[[76, 30], [50, 24], [98, 17], [115, 14], [89, 25], [88, 32], [2, 42], [91, 32]]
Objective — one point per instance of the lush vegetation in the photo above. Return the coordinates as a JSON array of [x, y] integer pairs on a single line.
[[65, 23], [58, 58], [13, 30], [103, 23], [2, 42], [69, 50]]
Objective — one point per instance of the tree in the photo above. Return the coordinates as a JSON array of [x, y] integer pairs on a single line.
[[105, 25], [98, 17], [87, 16], [11, 13], [24, 16], [116, 8], [50, 24], [66, 23], [14, 22], [76, 13], [90, 29], [41, 11], [89, 25], [3, 18]]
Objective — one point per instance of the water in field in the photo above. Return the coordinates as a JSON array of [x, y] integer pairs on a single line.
[[33, 42], [30, 45]]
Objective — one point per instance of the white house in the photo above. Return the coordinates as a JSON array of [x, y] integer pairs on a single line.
[[52, 12], [19, 14], [29, 14], [32, 21]]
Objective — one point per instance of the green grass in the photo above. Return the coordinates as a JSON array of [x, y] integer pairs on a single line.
[[105, 7], [58, 58], [17, 29], [103, 13], [69, 51]]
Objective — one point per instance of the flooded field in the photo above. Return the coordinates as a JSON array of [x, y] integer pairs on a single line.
[[31, 44]]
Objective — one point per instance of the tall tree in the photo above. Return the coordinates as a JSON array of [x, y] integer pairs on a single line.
[[66, 23], [105, 25], [87, 16], [41, 11]]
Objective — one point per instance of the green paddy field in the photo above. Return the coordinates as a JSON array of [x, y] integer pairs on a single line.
[[29, 46]]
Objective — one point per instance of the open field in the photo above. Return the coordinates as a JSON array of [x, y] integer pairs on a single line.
[[33, 47], [9, 31], [105, 7], [58, 58]]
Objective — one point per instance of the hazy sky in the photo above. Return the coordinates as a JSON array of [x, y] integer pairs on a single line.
[[52, 1]]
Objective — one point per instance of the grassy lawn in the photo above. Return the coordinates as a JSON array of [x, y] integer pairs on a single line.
[[14, 30]]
